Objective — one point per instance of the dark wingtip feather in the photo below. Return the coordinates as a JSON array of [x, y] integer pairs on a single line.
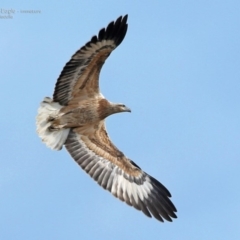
[[115, 31], [160, 186]]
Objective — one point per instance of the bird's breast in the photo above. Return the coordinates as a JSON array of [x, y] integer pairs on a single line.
[[80, 116]]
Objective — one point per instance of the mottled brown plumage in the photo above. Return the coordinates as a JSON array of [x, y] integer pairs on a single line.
[[75, 118]]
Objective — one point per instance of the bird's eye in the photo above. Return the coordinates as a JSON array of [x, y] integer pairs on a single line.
[[122, 105]]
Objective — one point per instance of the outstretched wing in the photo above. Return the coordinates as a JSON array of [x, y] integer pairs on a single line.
[[79, 78], [96, 154]]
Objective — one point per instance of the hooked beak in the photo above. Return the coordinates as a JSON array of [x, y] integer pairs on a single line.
[[126, 109]]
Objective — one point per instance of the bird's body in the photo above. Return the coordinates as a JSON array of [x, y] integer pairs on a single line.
[[78, 115], [75, 118]]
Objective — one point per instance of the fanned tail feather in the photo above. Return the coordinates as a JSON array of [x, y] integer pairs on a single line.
[[53, 138]]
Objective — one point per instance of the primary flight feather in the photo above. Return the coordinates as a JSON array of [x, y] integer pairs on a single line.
[[75, 117]]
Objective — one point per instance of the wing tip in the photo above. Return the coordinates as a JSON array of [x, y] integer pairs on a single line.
[[115, 30]]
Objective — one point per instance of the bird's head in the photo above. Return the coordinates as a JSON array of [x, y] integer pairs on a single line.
[[106, 108], [119, 107]]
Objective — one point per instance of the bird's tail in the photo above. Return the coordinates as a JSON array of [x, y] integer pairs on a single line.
[[47, 112]]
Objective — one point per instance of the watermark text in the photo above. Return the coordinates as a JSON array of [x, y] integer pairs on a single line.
[[9, 13]]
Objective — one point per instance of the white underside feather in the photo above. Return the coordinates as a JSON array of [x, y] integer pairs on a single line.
[[53, 139]]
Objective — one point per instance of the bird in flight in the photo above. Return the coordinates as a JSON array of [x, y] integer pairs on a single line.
[[75, 118]]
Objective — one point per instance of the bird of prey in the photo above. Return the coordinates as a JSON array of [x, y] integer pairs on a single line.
[[75, 118]]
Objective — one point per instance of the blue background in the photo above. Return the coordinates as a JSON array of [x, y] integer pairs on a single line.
[[178, 69]]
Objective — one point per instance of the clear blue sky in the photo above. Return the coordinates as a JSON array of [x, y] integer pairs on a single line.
[[178, 69]]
